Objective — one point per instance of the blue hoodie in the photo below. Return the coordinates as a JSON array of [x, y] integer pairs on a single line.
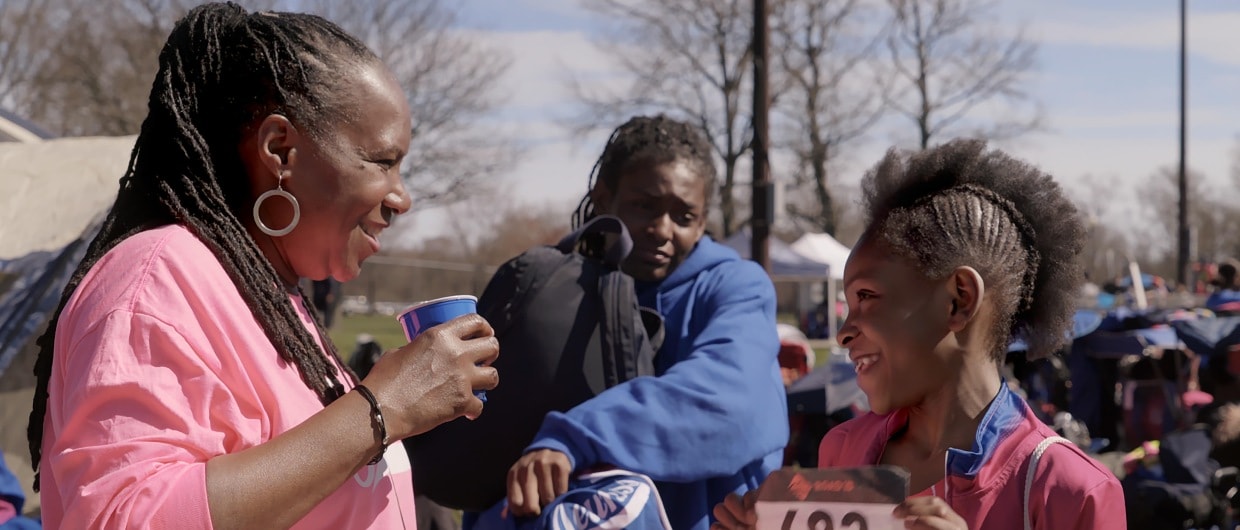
[[714, 419], [12, 495], [1222, 297]]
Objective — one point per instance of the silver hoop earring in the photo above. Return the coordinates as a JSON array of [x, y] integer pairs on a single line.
[[279, 191]]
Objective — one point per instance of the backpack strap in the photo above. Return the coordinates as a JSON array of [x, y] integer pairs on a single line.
[[630, 336], [615, 253], [1033, 468]]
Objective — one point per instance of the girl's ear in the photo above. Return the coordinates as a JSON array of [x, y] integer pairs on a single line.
[[967, 290]]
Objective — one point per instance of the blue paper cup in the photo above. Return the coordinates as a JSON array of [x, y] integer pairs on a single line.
[[423, 315]]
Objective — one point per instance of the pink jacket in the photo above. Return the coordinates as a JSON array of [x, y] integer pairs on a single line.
[[160, 366], [986, 485]]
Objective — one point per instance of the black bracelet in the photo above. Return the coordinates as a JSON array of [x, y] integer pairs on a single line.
[[376, 415]]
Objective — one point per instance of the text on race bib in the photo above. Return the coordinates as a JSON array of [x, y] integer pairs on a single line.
[[829, 499]]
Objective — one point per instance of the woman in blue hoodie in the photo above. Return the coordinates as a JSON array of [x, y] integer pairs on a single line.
[[717, 372]]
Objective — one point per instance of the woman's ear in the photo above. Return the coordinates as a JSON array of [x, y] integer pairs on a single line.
[[275, 143], [967, 290]]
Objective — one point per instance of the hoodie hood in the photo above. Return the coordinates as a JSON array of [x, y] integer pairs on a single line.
[[706, 255]]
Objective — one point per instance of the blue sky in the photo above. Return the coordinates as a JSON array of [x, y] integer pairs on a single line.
[[1107, 80]]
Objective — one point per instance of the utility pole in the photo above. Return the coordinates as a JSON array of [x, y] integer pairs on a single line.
[[1184, 233], [763, 189]]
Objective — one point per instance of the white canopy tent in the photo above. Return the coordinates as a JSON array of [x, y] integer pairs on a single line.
[[825, 249], [51, 191], [786, 263]]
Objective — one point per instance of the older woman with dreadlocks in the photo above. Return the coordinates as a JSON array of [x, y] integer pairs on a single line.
[[964, 247], [185, 382]]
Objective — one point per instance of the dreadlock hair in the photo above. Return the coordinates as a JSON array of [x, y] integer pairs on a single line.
[[220, 70], [961, 205], [648, 141]]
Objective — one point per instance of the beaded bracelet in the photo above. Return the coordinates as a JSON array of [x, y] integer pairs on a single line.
[[376, 415]]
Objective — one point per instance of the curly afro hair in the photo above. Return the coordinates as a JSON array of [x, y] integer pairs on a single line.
[[960, 204]]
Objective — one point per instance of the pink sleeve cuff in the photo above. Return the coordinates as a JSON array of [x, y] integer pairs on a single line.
[[184, 500]]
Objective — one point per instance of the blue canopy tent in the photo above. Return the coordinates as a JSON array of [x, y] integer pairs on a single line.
[[1083, 323], [33, 287], [1106, 334], [1148, 281], [1104, 348], [1151, 355], [1209, 337], [1212, 340]]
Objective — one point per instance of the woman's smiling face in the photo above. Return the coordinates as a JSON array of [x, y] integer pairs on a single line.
[[348, 185]]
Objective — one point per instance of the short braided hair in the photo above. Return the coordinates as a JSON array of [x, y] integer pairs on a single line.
[[960, 204], [220, 70], [648, 140]]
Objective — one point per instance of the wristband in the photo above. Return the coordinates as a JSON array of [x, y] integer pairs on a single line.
[[376, 416]]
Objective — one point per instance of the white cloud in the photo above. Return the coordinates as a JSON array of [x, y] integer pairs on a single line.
[[538, 78], [562, 7], [1210, 35], [1140, 121], [1131, 159]]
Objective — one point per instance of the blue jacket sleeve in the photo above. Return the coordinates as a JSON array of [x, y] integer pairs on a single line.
[[11, 494], [719, 409]]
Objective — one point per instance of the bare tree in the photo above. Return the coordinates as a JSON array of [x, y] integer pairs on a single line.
[[95, 60], [828, 96], [686, 58], [1214, 218], [23, 47], [950, 65], [449, 79], [463, 259], [1108, 248], [1234, 170]]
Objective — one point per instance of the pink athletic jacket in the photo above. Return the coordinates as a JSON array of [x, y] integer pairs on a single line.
[[159, 367], [986, 486]]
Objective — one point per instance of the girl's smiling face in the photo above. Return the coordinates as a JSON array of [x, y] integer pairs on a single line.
[[897, 320]]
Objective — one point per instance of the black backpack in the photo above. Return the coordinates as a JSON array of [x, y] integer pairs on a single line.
[[1184, 496], [569, 326]]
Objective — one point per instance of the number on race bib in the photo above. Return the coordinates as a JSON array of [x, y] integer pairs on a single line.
[[820, 520], [855, 519]]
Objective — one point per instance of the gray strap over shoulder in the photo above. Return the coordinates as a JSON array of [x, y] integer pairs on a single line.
[[1033, 468]]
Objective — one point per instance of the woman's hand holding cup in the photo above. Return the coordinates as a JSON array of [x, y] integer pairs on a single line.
[[440, 374]]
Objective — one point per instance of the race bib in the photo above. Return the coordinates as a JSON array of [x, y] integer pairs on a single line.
[[860, 498]]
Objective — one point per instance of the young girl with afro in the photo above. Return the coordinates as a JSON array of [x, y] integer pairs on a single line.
[[964, 248]]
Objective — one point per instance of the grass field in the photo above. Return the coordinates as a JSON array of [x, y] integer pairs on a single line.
[[383, 328]]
